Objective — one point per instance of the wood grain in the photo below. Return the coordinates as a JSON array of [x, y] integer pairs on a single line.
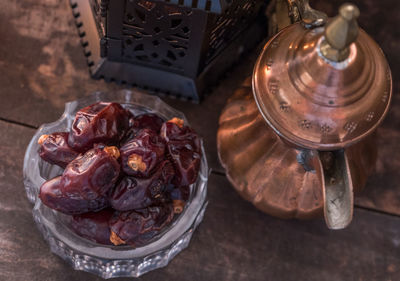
[[42, 66], [234, 242], [37, 81]]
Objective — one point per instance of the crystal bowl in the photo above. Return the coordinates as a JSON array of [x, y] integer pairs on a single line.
[[110, 261]]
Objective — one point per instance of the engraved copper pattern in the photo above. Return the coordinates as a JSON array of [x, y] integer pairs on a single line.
[[315, 103], [265, 170]]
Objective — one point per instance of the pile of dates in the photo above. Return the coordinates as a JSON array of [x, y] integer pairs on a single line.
[[125, 176]]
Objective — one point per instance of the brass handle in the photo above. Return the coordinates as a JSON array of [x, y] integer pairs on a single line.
[[301, 10], [334, 173], [286, 12]]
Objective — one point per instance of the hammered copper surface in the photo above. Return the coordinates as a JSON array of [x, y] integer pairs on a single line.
[[316, 103], [265, 170]]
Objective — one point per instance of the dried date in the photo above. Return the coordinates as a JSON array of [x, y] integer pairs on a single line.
[[97, 170], [140, 155], [101, 122], [70, 200], [136, 193], [138, 227], [84, 183], [54, 149], [94, 225], [159, 161], [184, 149], [145, 121]]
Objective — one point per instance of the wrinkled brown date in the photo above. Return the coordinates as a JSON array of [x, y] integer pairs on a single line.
[[183, 147], [97, 170], [84, 183], [159, 160], [145, 121], [137, 227], [93, 226], [140, 155], [136, 193], [71, 199], [54, 149], [101, 122]]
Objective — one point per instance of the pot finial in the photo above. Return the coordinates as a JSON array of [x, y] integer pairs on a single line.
[[340, 33]]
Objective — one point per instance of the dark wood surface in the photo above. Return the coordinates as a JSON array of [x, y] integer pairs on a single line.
[[42, 66]]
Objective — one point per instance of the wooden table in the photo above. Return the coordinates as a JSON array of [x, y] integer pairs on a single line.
[[42, 66]]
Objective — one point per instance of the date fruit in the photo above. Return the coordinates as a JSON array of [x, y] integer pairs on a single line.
[[144, 121], [140, 155], [101, 122], [183, 148], [97, 170], [84, 183], [70, 200], [124, 176], [54, 149], [138, 227], [136, 193], [93, 225]]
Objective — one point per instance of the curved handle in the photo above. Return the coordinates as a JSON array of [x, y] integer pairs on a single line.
[[301, 10], [282, 13], [333, 170]]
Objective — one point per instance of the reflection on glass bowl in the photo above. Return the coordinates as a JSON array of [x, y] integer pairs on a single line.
[[110, 261]]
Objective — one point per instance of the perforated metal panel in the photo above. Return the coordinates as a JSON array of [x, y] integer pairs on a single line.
[[156, 34], [173, 47], [230, 24]]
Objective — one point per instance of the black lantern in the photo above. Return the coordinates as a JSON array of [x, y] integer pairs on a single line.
[[176, 47]]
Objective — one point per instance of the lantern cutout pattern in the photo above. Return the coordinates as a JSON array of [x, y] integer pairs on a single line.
[[169, 47]]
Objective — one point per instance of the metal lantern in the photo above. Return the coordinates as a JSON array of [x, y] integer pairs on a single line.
[[176, 47]]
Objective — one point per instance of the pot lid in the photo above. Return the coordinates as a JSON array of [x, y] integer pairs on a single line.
[[323, 88]]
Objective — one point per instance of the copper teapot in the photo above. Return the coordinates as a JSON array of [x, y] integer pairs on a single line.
[[305, 140]]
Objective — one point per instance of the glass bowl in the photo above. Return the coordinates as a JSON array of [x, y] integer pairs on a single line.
[[110, 261]]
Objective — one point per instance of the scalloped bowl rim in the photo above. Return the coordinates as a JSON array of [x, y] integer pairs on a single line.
[[174, 232]]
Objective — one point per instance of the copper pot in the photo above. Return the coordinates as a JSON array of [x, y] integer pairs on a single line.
[[307, 141]]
